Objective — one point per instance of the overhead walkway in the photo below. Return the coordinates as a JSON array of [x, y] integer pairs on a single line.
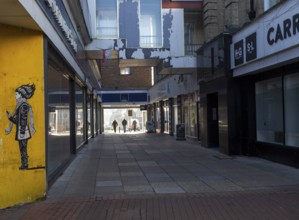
[[153, 176]]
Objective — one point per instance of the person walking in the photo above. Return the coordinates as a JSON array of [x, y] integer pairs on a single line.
[[134, 125], [124, 123], [114, 124]]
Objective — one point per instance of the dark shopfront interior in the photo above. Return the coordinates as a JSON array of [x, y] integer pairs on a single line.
[[72, 114], [269, 119]]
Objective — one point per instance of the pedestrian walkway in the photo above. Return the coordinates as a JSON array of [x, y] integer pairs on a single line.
[[153, 176]]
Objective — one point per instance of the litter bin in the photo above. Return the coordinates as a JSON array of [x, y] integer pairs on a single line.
[[180, 132]]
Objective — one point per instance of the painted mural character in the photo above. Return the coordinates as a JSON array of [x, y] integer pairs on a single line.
[[22, 117]]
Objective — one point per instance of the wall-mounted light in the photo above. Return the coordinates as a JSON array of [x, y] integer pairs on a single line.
[[125, 71]]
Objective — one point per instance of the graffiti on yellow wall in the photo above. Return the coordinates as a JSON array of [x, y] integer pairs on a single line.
[[22, 118]]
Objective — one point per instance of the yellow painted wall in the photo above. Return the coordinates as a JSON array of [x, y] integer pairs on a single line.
[[21, 62]]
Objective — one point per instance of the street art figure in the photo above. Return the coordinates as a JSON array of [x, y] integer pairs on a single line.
[[22, 117]]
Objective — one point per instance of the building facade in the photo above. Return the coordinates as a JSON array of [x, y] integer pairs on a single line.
[[264, 61], [224, 71], [220, 92], [49, 104], [57, 58]]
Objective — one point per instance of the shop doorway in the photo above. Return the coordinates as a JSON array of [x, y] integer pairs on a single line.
[[212, 114]]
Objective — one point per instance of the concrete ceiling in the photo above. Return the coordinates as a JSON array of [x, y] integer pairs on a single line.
[[13, 13]]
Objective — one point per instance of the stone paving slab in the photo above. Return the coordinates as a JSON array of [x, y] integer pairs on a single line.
[[170, 179], [138, 188], [195, 186], [131, 173], [128, 164], [108, 183], [167, 187]]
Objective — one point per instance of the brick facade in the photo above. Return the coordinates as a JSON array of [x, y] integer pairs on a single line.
[[139, 78]]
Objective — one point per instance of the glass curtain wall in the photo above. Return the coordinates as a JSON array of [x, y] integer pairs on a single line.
[[58, 151]]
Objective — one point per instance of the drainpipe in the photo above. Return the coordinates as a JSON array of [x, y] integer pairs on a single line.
[[251, 13]]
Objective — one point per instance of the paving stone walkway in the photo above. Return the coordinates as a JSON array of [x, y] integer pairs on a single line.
[[153, 176]]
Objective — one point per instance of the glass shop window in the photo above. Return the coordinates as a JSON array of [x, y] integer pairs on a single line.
[[291, 113], [269, 111], [79, 116], [59, 118], [277, 110], [150, 23], [106, 19]]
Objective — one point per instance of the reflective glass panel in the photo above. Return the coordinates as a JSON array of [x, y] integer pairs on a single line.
[[79, 116], [106, 19], [291, 98], [269, 111], [150, 23], [59, 120]]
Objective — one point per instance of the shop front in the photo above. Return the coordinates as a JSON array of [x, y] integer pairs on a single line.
[[189, 115], [265, 62], [217, 96]]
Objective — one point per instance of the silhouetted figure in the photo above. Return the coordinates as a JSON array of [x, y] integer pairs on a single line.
[[124, 123], [114, 124], [134, 125]]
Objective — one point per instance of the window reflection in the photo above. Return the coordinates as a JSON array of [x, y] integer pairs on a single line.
[[106, 18], [59, 118], [94, 115], [79, 116], [89, 115], [291, 97], [269, 120], [150, 23]]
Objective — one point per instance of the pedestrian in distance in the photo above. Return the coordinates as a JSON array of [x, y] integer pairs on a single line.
[[114, 124], [124, 123], [134, 125]]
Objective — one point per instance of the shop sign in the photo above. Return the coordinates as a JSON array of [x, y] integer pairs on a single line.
[[283, 30], [273, 36], [143, 107], [250, 44], [62, 23], [238, 53]]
